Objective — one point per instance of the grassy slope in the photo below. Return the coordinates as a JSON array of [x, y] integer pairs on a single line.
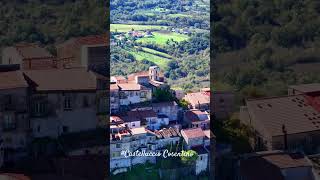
[[139, 55], [162, 38], [155, 52], [128, 27]]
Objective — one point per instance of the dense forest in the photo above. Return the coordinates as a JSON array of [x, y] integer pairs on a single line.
[[161, 12], [183, 56], [51, 21], [262, 46]]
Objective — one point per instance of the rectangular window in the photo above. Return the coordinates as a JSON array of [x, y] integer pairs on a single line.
[[9, 122], [67, 103]]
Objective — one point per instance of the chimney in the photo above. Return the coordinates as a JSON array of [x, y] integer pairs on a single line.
[[285, 137]]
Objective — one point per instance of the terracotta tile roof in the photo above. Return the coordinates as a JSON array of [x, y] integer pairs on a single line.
[[13, 176], [268, 165], [198, 97], [12, 79], [196, 115], [118, 78], [133, 75], [116, 120], [142, 114], [93, 40], [114, 87], [209, 134], [307, 88], [32, 51], [167, 133], [131, 87], [193, 133], [292, 111], [139, 130], [62, 79]]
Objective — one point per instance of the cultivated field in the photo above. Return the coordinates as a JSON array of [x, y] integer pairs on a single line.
[[143, 55], [129, 27], [161, 38]]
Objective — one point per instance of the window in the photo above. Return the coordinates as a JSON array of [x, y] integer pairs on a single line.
[[200, 158], [38, 128], [143, 94], [133, 124], [8, 122], [67, 103], [39, 108], [118, 145], [85, 102]]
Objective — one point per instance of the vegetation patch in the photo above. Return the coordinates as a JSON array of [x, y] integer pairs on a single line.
[[162, 38], [129, 27]]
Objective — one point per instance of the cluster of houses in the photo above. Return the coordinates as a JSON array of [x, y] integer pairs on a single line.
[[287, 135], [139, 122], [63, 97]]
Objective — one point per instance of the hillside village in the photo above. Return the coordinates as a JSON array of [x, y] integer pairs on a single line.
[[138, 121]]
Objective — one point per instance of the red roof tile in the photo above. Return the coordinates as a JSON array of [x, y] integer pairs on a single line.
[[12, 79], [193, 133], [62, 79]]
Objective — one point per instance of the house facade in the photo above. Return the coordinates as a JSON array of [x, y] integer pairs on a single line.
[[14, 116], [28, 56], [287, 122], [89, 52], [62, 106]]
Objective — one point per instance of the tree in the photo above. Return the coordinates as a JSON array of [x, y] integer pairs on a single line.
[[190, 158], [163, 95]]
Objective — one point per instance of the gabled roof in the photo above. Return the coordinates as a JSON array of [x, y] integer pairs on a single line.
[[131, 87], [138, 130], [307, 88], [142, 114], [12, 79], [198, 98], [294, 112], [193, 133], [268, 165], [196, 115], [167, 133], [141, 74], [62, 79], [32, 51], [114, 87]]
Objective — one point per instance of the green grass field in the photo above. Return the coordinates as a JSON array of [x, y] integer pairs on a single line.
[[128, 27], [178, 15], [161, 38], [155, 52], [140, 55]]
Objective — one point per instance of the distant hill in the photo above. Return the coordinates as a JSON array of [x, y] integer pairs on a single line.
[[50, 21], [261, 46]]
